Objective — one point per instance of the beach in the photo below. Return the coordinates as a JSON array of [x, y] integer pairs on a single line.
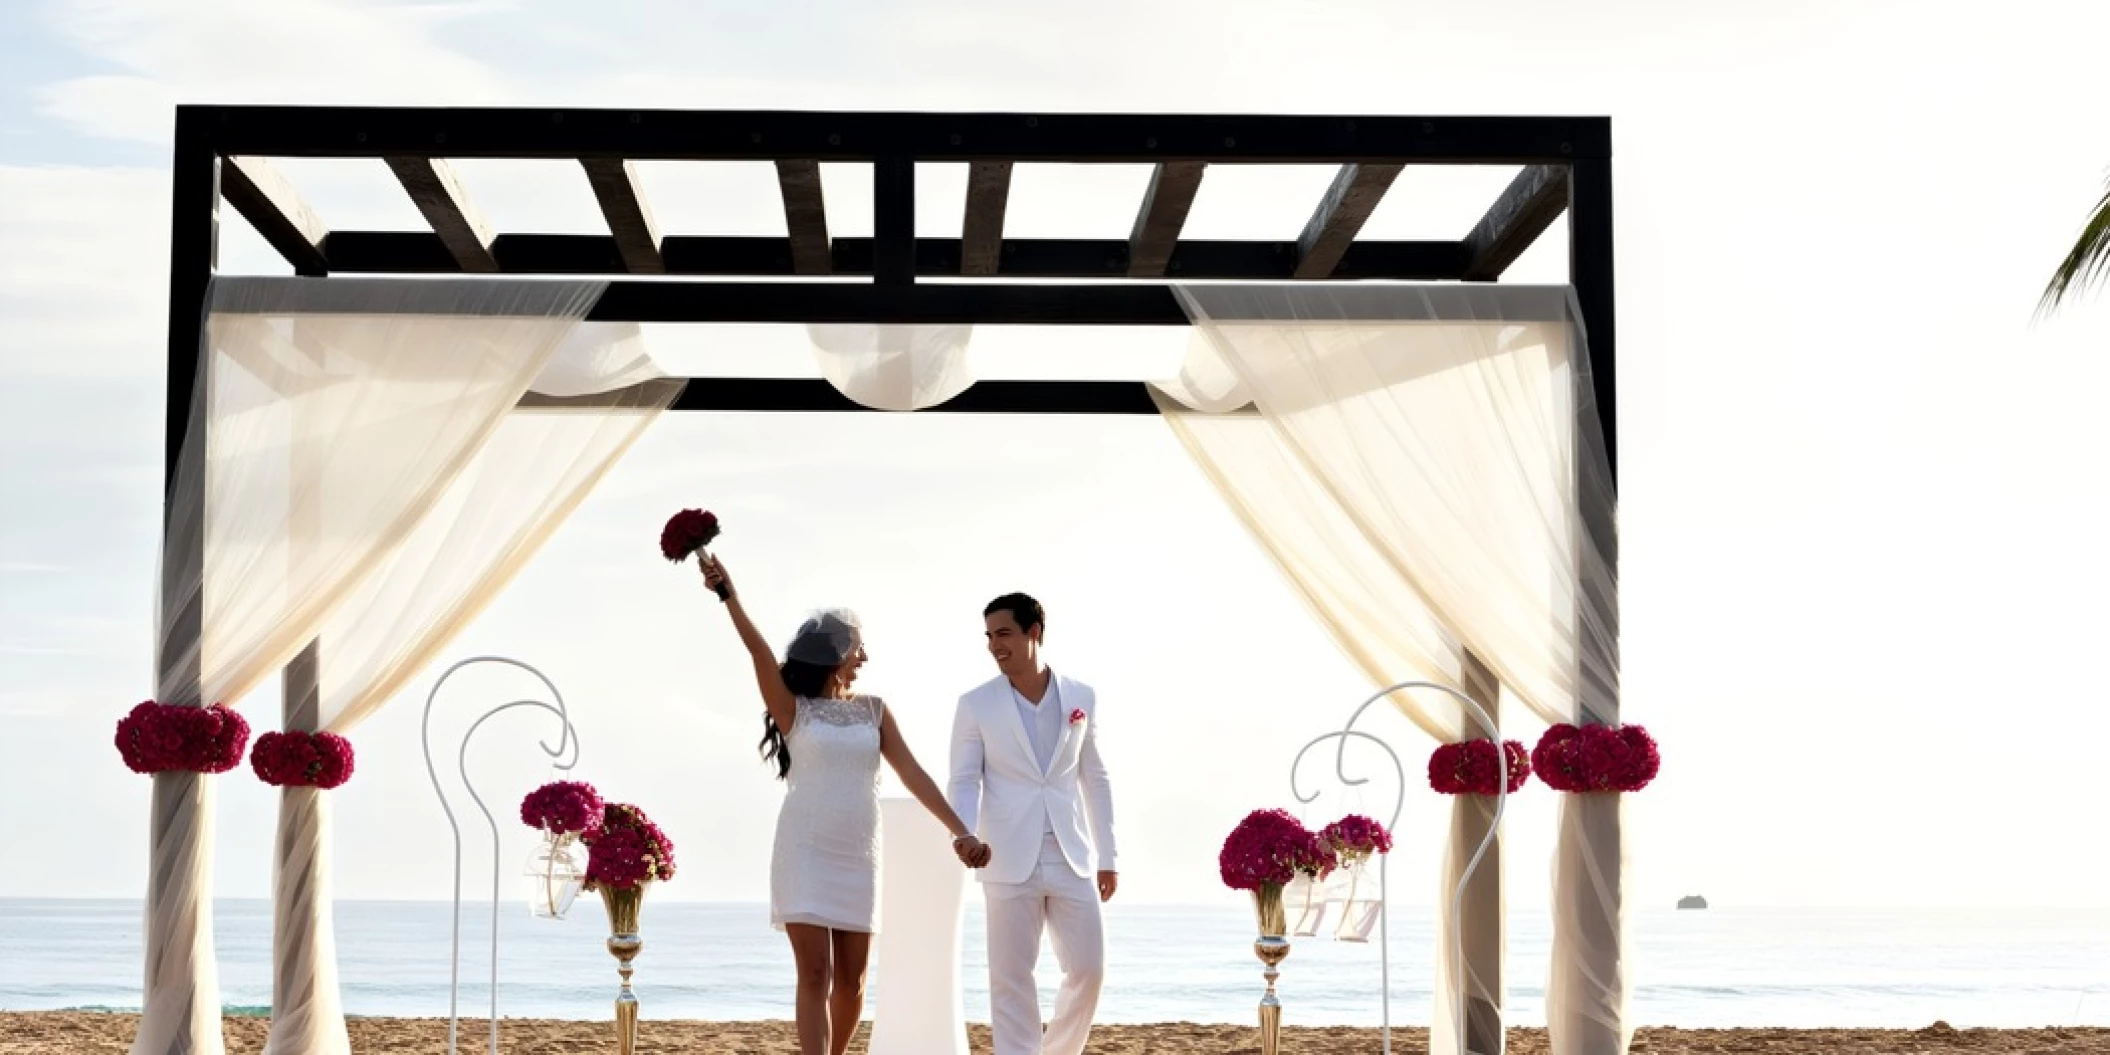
[[97, 1033]]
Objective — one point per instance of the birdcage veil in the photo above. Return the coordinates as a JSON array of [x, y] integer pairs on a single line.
[[826, 639]]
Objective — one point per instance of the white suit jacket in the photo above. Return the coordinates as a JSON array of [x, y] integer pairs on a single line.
[[1000, 790]]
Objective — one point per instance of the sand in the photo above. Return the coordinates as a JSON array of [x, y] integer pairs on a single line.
[[89, 1033]]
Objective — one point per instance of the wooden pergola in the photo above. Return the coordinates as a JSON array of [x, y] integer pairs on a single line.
[[225, 152], [808, 276]]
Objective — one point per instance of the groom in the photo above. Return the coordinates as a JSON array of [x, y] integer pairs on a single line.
[[1027, 778]]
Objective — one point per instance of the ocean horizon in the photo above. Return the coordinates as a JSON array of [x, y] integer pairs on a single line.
[[1713, 968]]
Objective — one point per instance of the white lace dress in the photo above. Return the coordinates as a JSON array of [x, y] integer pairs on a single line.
[[824, 870]]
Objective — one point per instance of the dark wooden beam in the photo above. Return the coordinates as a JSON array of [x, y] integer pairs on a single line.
[[615, 186], [437, 192], [1351, 199], [261, 193], [982, 229], [1530, 205], [1027, 304], [1157, 229], [1105, 304], [894, 220], [805, 215], [812, 395], [731, 135], [417, 252]]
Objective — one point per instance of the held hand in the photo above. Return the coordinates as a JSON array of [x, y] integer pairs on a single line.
[[973, 852], [1107, 882], [714, 576]]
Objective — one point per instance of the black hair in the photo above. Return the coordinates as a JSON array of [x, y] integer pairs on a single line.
[[1025, 611], [805, 681]]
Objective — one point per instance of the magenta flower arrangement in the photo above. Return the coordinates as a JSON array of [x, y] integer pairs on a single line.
[[1596, 758], [296, 759], [563, 807], [1355, 837], [627, 850], [1268, 849], [166, 738], [1471, 768]]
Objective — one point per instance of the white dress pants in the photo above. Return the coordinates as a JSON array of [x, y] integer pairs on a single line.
[[1065, 905]]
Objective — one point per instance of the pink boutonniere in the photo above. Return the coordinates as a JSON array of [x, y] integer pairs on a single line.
[[1077, 717]]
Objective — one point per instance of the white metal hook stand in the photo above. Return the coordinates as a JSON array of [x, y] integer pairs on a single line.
[[1384, 914], [568, 740]]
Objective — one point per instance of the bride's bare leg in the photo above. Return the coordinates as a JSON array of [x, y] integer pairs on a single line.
[[811, 953], [846, 1002]]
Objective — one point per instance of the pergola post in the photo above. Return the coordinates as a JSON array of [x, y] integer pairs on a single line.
[[1481, 925], [1595, 899], [180, 1013]]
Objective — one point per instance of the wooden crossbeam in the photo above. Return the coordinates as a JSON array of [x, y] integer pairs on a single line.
[[1026, 138], [1351, 199], [805, 215], [615, 186], [420, 252], [1157, 230], [982, 230], [261, 193], [1531, 203], [438, 194], [813, 395]]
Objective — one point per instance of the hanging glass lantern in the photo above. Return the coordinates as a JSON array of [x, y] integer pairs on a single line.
[[554, 872]]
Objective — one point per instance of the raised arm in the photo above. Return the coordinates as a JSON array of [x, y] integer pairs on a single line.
[[777, 698]]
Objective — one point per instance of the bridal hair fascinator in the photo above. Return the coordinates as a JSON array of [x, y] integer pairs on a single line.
[[826, 638]]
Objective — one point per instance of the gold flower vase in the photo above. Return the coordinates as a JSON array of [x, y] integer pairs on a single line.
[[623, 906], [1272, 947]]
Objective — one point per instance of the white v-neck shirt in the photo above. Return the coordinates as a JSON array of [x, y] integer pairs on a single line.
[[1043, 727]]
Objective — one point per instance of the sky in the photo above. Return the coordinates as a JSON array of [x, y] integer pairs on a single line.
[[1862, 498]]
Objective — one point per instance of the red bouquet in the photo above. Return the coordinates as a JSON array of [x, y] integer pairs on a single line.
[[686, 532], [165, 738], [1594, 758], [1472, 768], [1355, 837], [302, 760], [1269, 848], [627, 850], [564, 807]]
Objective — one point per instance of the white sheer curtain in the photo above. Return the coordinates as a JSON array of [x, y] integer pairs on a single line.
[[585, 410], [888, 367], [330, 415], [1448, 435]]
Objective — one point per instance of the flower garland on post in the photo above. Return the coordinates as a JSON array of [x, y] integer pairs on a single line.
[[1471, 767], [1593, 759], [167, 738], [295, 759]]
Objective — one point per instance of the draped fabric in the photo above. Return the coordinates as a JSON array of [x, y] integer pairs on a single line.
[[593, 399], [330, 416], [1426, 466], [893, 367], [370, 462]]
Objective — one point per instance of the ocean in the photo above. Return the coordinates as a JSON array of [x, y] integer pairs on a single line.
[[1721, 967]]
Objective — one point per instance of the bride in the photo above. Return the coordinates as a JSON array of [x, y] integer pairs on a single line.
[[827, 743]]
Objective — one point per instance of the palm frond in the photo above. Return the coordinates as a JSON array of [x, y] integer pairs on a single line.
[[2087, 264]]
